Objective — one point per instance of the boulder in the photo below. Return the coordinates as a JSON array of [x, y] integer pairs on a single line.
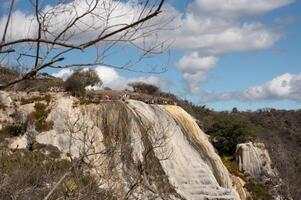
[[5, 98], [254, 159]]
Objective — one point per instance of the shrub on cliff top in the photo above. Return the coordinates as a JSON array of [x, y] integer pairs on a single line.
[[144, 87], [12, 130], [76, 84], [40, 115]]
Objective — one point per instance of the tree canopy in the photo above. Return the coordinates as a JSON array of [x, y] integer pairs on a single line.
[[229, 130], [79, 80]]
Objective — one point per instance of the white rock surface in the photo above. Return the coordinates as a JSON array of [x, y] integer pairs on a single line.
[[5, 98], [189, 169], [181, 162], [254, 159]]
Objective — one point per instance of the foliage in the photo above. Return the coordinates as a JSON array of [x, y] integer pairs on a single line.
[[12, 130], [200, 111], [46, 98], [31, 175], [40, 115], [2, 106], [231, 165], [144, 88], [229, 130], [258, 190], [7, 74], [47, 84], [76, 84], [107, 88]]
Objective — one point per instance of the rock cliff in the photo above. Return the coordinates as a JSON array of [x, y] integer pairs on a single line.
[[254, 159], [139, 151]]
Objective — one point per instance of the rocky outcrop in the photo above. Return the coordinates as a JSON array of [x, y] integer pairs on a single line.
[[199, 140], [5, 98], [253, 159], [139, 151]]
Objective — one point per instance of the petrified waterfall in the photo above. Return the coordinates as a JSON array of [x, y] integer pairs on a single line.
[[147, 151]]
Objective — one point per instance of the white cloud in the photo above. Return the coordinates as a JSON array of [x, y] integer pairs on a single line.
[[286, 86], [192, 63], [215, 27], [207, 29], [63, 73], [237, 8], [109, 15], [195, 69], [111, 78]]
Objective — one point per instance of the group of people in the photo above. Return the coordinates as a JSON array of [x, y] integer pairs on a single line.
[[121, 97], [125, 97], [159, 101]]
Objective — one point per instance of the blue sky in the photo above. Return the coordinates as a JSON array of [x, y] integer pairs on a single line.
[[244, 54]]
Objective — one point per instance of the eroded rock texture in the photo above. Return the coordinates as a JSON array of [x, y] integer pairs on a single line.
[[254, 159], [140, 151]]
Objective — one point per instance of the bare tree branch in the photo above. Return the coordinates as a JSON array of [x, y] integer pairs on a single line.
[[53, 44]]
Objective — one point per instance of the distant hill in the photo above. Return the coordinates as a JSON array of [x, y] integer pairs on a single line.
[[7, 75], [42, 81]]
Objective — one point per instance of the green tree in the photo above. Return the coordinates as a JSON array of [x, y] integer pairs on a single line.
[[144, 88], [79, 80], [229, 130]]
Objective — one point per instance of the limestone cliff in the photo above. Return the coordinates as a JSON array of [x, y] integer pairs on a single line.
[[139, 151], [254, 159]]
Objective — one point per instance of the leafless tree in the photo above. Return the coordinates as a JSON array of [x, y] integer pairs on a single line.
[[84, 27], [86, 151]]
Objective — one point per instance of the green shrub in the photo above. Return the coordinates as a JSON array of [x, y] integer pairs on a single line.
[[12, 130], [231, 165], [34, 174], [2, 106], [76, 84], [144, 88], [46, 98], [229, 130], [258, 190], [40, 115]]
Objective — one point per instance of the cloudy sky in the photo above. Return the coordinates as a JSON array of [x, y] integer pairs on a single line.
[[223, 53]]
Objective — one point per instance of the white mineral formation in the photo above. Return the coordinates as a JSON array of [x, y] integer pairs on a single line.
[[5, 98], [142, 151], [254, 159]]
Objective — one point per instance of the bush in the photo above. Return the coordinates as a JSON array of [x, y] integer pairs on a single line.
[[34, 174], [231, 165], [12, 130], [258, 190], [144, 88], [46, 98], [228, 131], [40, 115], [2, 106], [79, 80]]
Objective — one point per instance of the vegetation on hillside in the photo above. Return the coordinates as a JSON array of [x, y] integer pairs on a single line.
[[76, 84], [229, 130], [144, 88], [12, 130], [39, 116], [32, 175]]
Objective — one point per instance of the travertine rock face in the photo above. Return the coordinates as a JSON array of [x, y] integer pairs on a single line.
[[5, 98], [254, 159], [161, 146]]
